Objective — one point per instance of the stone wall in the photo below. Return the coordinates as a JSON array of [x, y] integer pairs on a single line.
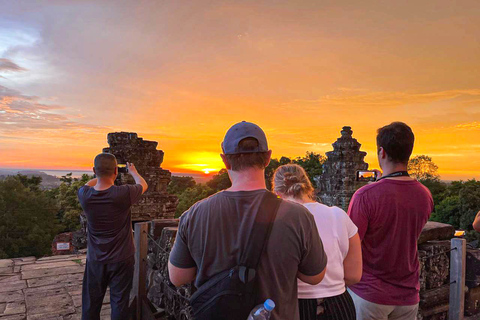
[[337, 182], [164, 295], [156, 202], [433, 247]]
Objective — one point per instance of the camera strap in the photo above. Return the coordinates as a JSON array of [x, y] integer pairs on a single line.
[[395, 174]]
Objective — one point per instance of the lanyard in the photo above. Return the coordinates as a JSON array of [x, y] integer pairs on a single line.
[[395, 174]]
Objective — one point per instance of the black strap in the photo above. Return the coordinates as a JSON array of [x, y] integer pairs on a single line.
[[395, 174], [259, 236]]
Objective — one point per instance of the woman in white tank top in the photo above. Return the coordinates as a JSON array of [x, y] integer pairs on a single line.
[[328, 299]]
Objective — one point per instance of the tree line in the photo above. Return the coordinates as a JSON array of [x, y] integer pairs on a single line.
[[30, 216]]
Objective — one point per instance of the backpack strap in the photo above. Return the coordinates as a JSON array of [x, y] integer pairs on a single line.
[[259, 236]]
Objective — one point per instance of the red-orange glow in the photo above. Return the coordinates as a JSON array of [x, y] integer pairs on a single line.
[[182, 75]]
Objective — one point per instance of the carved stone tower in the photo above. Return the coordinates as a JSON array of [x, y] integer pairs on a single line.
[[156, 202], [337, 182]]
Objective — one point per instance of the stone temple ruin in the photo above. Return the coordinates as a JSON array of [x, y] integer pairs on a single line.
[[337, 183], [156, 202]]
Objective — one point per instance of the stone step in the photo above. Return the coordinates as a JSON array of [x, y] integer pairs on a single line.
[[13, 285], [40, 273], [49, 265], [60, 280], [11, 296]]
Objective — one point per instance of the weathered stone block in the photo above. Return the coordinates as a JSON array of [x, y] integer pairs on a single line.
[[472, 274], [472, 302], [161, 292], [434, 259], [436, 231]]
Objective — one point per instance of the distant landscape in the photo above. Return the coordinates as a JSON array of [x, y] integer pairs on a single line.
[[36, 209], [51, 178]]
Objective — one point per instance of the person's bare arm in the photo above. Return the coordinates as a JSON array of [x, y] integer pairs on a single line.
[[312, 279], [137, 177], [476, 222], [352, 265], [91, 183], [181, 276]]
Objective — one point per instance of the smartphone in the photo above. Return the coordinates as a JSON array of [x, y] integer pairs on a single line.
[[122, 168], [366, 175]]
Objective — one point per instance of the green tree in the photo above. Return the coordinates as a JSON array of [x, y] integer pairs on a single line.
[[178, 185], [190, 196], [33, 182], [28, 221], [189, 192], [460, 205], [437, 188], [422, 167], [272, 166], [425, 171], [220, 181], [448, 211], [68, 179], [313, 164], [66, 198]]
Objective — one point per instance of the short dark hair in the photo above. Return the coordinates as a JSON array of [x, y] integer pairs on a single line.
[[105, 164], [242, 161], [397, 140]]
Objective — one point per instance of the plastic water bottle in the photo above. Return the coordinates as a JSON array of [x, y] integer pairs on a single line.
[[262, 311]]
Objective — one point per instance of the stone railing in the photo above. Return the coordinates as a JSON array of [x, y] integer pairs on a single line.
[[160, 291], [434, 247]]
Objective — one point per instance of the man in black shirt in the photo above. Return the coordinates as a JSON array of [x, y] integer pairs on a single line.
[[110, 249]]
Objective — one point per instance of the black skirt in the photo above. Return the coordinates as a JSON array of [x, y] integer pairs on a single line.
[[339, 307]]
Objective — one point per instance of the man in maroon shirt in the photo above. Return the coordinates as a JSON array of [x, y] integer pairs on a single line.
[[390, 215]]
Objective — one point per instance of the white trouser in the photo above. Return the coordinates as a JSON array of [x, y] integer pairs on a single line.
[[367, 310]]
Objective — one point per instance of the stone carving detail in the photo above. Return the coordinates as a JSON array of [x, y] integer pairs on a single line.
[[156, 202], [337, 183], [161, 292]]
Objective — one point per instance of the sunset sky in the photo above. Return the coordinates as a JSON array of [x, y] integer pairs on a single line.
[[182, 72]]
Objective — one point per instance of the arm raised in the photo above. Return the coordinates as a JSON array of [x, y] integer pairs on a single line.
[[137, 177]]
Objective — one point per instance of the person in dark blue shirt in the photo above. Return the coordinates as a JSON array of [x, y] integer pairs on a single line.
[[110, 247]]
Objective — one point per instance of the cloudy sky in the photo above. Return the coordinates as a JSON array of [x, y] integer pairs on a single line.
[[181, 72]]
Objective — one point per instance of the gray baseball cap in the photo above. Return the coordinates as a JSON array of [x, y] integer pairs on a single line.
[[240, 131]]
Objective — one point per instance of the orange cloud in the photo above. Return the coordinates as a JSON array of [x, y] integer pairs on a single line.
[[468, 126], [189, 72]]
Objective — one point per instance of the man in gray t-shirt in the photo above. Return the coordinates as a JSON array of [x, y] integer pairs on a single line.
[[214, 231]]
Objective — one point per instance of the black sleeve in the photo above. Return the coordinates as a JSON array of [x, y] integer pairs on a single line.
[[135, 192], [314, 258], [180, 255], [81, 193]]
